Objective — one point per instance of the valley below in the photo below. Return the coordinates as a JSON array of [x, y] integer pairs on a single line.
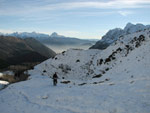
[[61, 48]]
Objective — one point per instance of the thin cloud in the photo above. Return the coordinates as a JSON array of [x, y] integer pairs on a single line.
[[125, 13], [116, 4], [17, 7], [55, 17]]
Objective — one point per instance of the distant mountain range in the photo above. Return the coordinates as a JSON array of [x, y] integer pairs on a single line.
[[53, 39], [114, 34], [58, 40], [27, 35], [16, 51]]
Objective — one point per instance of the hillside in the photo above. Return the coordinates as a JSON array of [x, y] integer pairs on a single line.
[[39, 47], [114, 80], [114, 34], [16, 51]]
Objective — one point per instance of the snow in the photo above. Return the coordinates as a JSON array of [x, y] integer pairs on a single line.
[[3, 84], [124, 88], [62, 64], [131, 28], [1, 74], [112, 35]]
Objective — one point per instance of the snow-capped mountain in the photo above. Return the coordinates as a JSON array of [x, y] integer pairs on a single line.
[[114, 80], [113, 35], [131, 28], [28, 35], [33, 35], [56, 35]]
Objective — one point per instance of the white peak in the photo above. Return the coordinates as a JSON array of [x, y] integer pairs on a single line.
[[34, 32], [131, 28], [112, 35], [128, 25], [110, 32], [16, 32], [54, 34]]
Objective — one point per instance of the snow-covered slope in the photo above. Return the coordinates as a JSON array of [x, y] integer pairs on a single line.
[[114, 34], [124, 85], [72, 64]]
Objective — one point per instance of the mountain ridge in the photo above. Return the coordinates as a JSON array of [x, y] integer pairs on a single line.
[[113, 35], [54, 39]]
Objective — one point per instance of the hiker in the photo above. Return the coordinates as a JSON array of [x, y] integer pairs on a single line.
[[55, 79]]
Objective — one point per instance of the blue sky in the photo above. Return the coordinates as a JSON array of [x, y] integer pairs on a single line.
[[75, 18]]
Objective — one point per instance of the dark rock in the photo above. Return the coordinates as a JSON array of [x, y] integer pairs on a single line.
[[65, 82], [97, 76]]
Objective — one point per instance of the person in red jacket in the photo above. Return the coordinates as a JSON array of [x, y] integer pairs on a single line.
[[55, 77]]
